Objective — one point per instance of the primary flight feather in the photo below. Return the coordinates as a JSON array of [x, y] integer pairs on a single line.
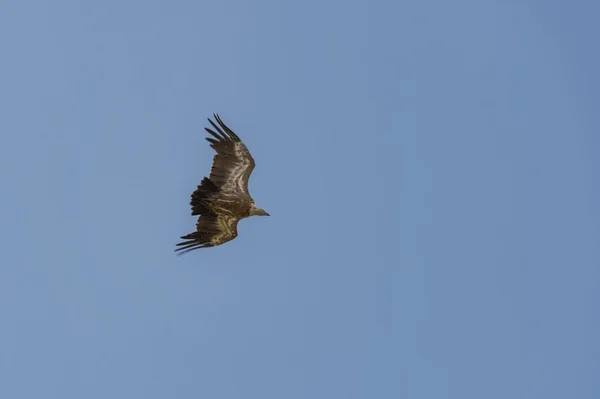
[[222, 199]]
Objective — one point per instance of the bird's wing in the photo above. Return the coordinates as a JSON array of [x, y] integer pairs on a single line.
[[211, 230], [233, 163]]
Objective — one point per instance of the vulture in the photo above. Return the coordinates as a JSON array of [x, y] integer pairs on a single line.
[[222, 199]]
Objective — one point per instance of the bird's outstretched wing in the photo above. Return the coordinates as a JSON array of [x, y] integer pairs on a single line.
[[233, 163], [211, 230]]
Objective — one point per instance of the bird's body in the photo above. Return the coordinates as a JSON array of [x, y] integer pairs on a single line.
[[222, 199]]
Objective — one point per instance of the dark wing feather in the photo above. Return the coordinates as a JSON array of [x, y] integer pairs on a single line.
[[211, 230], [233, 163]]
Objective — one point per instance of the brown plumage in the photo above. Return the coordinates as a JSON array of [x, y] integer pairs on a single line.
[[222, 199]]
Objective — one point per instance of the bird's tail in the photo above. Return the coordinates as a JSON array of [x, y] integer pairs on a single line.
[[205, 189]]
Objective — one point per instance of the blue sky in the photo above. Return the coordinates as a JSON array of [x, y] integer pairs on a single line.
[[431, 169]]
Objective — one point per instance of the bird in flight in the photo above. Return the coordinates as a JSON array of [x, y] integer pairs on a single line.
[[222, 199]]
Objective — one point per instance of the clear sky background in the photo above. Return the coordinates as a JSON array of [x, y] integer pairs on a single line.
[[431, 168]]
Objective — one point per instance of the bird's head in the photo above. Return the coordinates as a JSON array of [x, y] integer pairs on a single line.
[[256, 211]]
